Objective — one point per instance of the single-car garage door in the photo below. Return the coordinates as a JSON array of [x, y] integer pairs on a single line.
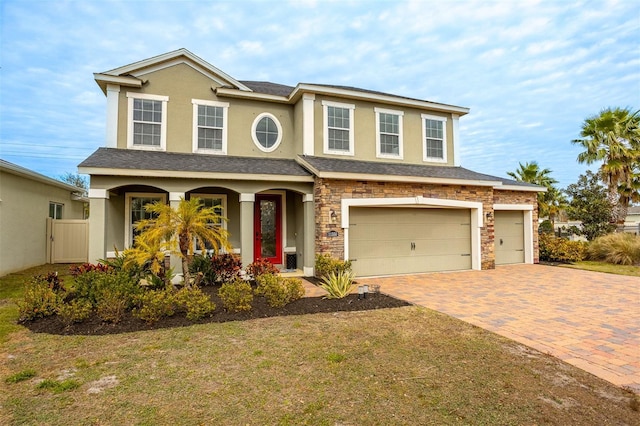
[[389, 240], [509, 237]]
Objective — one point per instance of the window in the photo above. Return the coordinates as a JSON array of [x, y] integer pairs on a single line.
[[210, 126], [388, 133], [219, 202], [434, 138], [266, 132], [338, 128], [147, 128], [136, 212], [55, 210]]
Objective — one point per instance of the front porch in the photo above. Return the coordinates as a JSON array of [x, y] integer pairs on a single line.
[[273, 220]]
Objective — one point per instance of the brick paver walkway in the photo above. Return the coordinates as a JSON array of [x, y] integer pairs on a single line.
[[588, 319]]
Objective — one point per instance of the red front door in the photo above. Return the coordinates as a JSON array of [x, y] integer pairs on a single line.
[[268, 228]]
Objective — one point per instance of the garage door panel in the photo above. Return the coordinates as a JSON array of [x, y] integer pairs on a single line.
[[386, 240], [509, 237]]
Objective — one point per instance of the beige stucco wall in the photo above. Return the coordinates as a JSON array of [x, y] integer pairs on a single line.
[[24, 209], [365, 132]]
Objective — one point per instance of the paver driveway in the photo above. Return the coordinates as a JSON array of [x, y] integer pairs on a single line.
[[588, 319]]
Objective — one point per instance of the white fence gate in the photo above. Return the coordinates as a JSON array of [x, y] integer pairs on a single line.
[[67, 240]]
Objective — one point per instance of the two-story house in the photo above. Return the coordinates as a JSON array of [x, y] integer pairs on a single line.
[[315, 168]]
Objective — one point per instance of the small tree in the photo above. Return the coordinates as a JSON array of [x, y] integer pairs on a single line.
[[590, 205], [182, 230]]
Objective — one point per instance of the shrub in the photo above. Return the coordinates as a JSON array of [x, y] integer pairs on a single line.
[[620, 249], [92, 285], [39, 300], [260, 267], [337, 284], [112, 305], [195, 303], [219, 268], [152, 305], [77, 310], [236, 296], [89, 267], [279, 291], [546, 227], [554, 249], [325, 264]]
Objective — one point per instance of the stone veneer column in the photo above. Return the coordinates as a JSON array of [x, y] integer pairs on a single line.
[[247, 203], [97, 224]]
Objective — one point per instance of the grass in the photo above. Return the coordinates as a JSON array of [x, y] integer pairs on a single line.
[[589, 265], [398, 366]]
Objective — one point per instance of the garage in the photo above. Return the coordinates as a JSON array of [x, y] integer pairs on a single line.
[[400, 240], [509, 237]]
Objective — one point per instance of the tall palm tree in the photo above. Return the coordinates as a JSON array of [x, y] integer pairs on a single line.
[[183, 229], [613, 137], [550, 202]]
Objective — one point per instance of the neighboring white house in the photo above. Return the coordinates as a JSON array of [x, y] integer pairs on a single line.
[[27, 199], [632, 221]]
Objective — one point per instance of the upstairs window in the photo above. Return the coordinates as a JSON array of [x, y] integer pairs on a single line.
[[388, 133], [210, 126], [338, 128], [266, 132], [147, 127], [434, 138]]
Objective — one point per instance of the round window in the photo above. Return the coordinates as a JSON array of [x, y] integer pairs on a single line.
[[267, 132]]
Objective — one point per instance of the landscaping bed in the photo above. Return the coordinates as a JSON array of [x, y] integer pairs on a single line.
[[260, 309]]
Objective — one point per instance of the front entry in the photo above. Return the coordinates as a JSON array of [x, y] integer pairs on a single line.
[[268, 228]]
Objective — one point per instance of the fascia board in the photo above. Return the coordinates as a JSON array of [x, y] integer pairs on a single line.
[[388, 99], [104, 79], [98, 171], [29, 174], [520, 188]]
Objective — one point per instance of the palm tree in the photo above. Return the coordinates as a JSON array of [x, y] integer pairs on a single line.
[[183, 229], [613, 137], [550, 202]]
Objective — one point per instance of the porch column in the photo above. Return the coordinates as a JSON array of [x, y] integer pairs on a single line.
[[309, 238], [247, 202], [174, 202], [97, 224]]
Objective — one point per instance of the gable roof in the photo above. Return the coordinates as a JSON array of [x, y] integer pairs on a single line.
[[129, 75], [374, 170], [131, 162]]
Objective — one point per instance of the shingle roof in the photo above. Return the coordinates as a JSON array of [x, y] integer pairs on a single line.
[[268, 88], [333, 165], [131, 159]]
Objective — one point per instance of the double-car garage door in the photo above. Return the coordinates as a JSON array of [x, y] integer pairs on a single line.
[[400, 240]]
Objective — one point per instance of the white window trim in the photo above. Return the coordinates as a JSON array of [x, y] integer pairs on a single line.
[[424, 138], [325, 127], [255, 138], [128, 229], [163, 124], [222, 197], [379, 152], [225, 127], [61, 205]]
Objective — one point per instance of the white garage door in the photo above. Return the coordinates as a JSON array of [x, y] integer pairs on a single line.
[[509, 237], [387, 240]]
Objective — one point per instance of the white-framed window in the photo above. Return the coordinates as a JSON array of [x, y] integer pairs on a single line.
[[147, 121], [434, 138], [338, 128], [135, 211], [219, 202], [388, 133], [210, 126], [266, 132], [55, 210]]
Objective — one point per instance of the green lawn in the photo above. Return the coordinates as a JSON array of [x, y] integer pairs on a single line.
[[588, 265], [398, 366]]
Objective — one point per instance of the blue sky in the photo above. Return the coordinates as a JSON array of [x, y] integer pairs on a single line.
[[531, 71]]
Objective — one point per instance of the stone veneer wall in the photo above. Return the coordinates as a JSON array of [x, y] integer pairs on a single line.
[[522, 197], [328, 194]]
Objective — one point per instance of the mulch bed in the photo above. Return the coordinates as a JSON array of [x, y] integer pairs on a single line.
[[306, 305]]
